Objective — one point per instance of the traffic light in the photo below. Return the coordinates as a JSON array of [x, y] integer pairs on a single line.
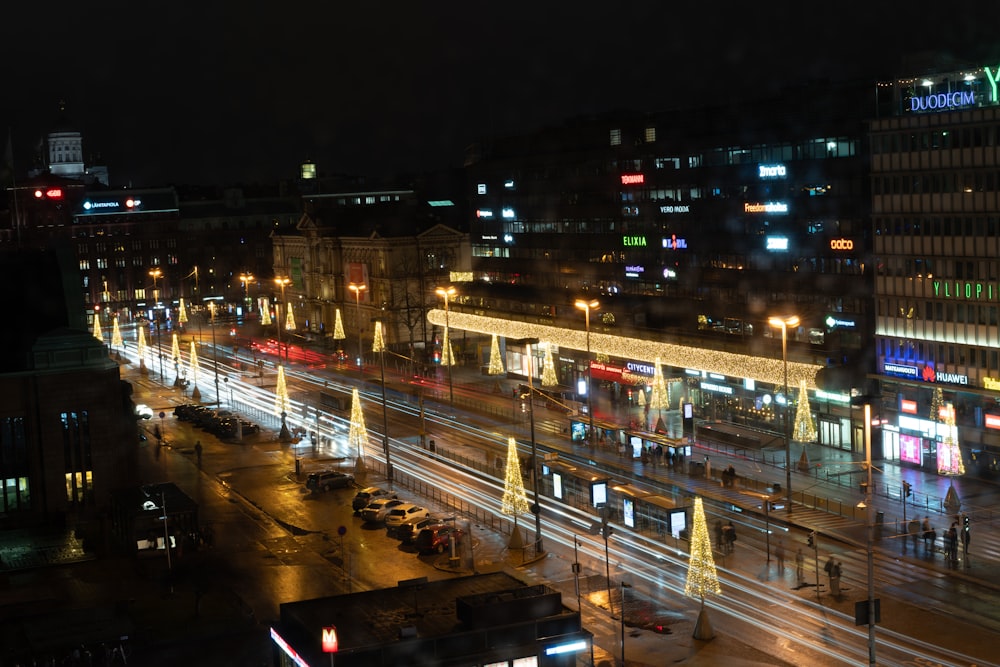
[[906, 489], [812, 538]]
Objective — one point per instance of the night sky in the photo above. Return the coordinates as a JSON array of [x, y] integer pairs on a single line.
[[245, 91]]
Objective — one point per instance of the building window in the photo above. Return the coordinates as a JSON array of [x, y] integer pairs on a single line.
[[616, 137], [650, 135], [15, 492], [77, 456]]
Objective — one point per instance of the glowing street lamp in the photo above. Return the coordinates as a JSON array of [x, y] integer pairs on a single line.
[[446, 356], [784, 323], [586, 307], [247, 278], [378, 345], [282, 283], [358, 288], [536, 508], [156, 274]]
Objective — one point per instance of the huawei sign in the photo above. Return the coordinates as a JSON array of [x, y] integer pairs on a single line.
[[841, 244], [928, 374]]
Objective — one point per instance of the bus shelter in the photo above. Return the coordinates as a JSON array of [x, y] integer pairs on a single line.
[[637, 442]]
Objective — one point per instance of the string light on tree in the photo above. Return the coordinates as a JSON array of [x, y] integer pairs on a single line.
[[281, 401], [805, 428], [496, 362], [338, 327], [949, 453], [116, 334], [194, 365], [515, 500], [140, 348], [182, 315], [378, 341], [659, 398], [290, 320], [937, 403], [447, 355], [265, 311], [357, 435], [98, 334], [549, 378], [702, 577]]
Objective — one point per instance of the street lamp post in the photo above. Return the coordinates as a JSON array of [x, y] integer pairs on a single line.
[[358, 288], [783, 323], [385, 411], [446, 293], [536, 509], [215, 353], [586, 307], [156, 274], [247, 278], [282, 283]]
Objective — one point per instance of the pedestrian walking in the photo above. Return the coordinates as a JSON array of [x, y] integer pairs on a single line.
[[951, 543], [925, 529], [800, 568], [914, 530], [966, 538], [197, 451], [779, 555], [729, 537], [835, 570]]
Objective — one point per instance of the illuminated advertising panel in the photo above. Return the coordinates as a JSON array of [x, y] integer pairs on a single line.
[[908, 406], [557, 487], [628, 512], [633, 179], [910, 449], [678, 522], [598, 493]]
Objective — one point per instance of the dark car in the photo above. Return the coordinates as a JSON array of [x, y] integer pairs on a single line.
[[437, 538], [328, 479]]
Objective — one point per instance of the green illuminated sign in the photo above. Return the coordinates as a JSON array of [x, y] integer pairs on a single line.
[[960, 289], [634, 241]]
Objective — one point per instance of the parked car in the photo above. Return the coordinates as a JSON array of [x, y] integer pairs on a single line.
[[143, 411], [407, 532], [368, 494], [184, 411], [324, 480], [377, 510], [401, 514], [437, 538]]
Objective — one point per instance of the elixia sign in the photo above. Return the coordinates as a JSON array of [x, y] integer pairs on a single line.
[[960, 289], [634, 241]]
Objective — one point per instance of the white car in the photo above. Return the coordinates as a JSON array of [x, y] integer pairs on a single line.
[[377, 510], [143, 411], [404, 513]]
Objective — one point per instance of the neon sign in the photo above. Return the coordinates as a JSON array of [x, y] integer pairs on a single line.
[[777, 243], [769, 207], [899, 369], [992, 421], [634, 241], [771, 171], [633, 179], [674, 243], [484, 213], [991, 383], [908, 406], [933, 102], [634, 271], [675, 208], [841, 244], [960, 289]]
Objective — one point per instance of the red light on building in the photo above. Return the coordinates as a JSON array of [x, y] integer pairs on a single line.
[[908, 406], [633, 179], [330, 643], [54, 193], [38, 194], [129, 203], [992, 421]]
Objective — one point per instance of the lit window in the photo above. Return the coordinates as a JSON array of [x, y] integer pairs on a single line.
[[650, 135], [616, 137], [481, 189]]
